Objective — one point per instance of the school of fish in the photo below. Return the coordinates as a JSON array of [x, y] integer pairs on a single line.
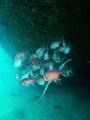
[[43, 66]]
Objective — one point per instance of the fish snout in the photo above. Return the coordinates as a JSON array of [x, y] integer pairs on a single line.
[[22, 83]]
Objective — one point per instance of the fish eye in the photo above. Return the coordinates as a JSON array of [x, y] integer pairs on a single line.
[[22, 83], [46, 76]]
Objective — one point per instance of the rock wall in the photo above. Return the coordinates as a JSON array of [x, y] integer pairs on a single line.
[[32, 24]]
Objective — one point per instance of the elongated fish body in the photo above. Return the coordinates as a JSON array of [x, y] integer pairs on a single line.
[[39, 49], [55, 44], [19, 55], [51, 75], [58, 60], [61, 49], [17, 62], [41, 81], [27, 81], [67, 49], [40, 54], [54, 54], [35, 61], [35, 67], [51, 66], [31, 72], [63, 45], [25, 76], [42, 70], [46, 56]]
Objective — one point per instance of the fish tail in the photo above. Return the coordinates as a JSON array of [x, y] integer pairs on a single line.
[[60, 72]]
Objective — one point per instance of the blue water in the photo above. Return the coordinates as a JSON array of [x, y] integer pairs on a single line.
[[22, 103]]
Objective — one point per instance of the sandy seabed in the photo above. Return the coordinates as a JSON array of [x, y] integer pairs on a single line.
[[23, 103]]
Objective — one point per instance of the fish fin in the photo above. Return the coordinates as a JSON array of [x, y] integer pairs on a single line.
[[60, 72], [59, 81], [55, 80], [45, 89], [64, 74], [64, 65]]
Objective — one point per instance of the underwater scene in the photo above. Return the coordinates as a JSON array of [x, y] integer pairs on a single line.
[[44, 60]]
